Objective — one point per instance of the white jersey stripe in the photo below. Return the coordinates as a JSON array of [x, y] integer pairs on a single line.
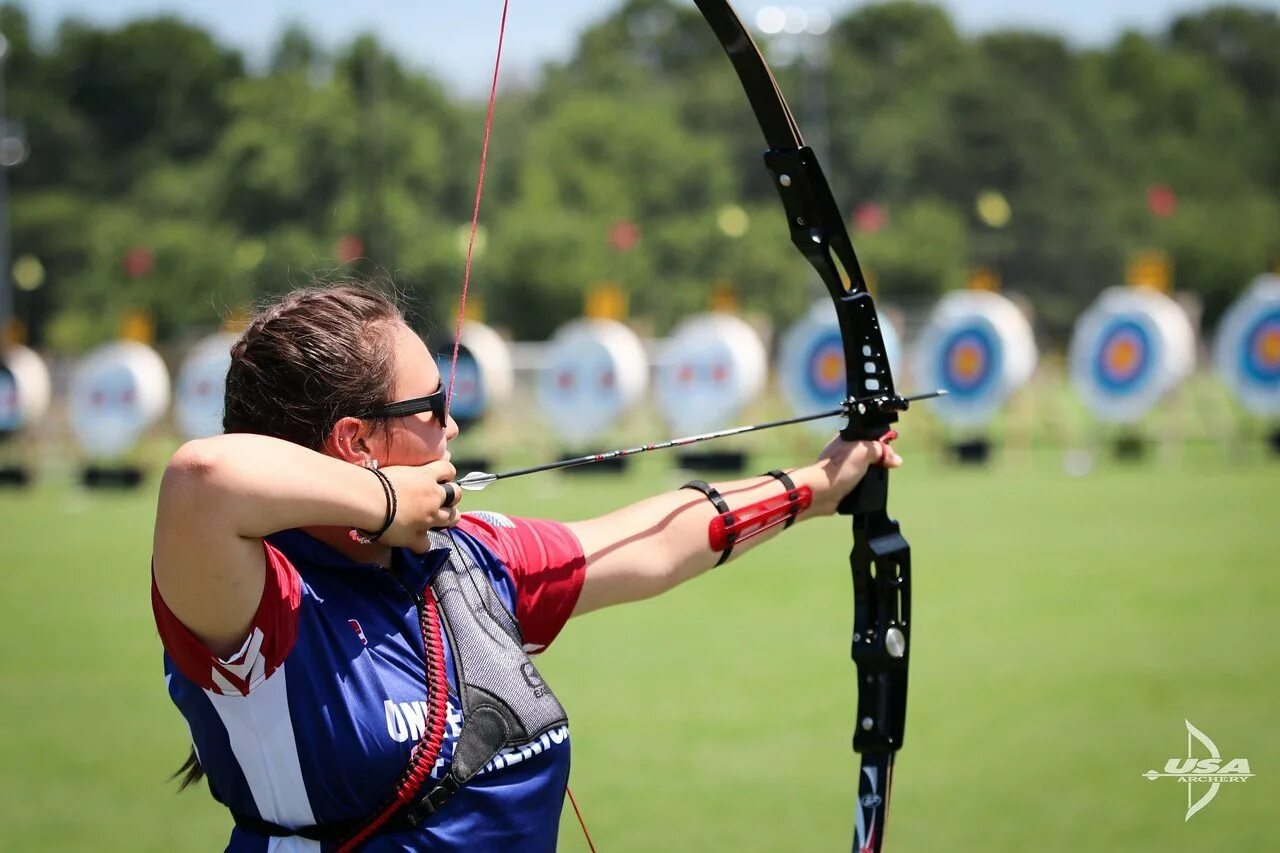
[[292, 844], [263, 742]]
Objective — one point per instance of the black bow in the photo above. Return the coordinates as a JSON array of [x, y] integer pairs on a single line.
[[881, 558]]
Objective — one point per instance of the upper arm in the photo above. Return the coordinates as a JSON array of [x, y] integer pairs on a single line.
[[209, 577]]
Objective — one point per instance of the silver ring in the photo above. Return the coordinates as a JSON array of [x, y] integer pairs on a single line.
[[451, 494]]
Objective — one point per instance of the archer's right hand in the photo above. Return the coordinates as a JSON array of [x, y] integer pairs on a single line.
[[423, 503]]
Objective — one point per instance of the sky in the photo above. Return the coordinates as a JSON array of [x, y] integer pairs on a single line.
[[456, 41]]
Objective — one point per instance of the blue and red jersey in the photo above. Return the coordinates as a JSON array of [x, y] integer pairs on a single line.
[[313, 719]]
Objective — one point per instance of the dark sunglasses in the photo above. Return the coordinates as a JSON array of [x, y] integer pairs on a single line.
[[433, 403]]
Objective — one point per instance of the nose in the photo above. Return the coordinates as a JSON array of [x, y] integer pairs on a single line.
[[450, 428]]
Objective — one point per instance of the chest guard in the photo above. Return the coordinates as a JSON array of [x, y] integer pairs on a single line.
[[505, 702]]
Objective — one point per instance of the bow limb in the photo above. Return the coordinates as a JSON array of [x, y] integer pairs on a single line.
[[880, 560]]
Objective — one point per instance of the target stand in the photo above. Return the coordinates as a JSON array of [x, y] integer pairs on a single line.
[[713, 461], [1130, 446], [123, 478], [973, 451]]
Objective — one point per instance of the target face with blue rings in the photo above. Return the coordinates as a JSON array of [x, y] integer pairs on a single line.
[[468, 403], [10, 408], [825, 362], [969, 361], [1130, 348], [1260, 355], [1123, 356], [810, 366], [1247, 350], [980, 348]]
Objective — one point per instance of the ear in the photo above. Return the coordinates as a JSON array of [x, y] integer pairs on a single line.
[[348, 441]]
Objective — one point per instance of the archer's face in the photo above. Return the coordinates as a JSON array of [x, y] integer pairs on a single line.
[[415, 439]]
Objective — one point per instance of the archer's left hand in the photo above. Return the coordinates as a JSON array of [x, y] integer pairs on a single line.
[[845, 463]]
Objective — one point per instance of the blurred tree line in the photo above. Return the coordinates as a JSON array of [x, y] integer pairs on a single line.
[[163, 175]]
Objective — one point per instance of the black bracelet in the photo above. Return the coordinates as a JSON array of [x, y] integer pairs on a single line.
[[388, 491], [790, 486], [721, 507]]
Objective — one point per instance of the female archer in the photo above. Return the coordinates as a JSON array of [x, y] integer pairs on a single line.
[[349, 651]]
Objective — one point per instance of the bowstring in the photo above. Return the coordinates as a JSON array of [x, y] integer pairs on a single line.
[[466, 278], [475, 213], [582, 823]]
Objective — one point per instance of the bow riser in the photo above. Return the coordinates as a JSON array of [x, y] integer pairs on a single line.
[[881, 564]]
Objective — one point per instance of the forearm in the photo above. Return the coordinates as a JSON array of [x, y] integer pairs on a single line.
[[256, 485], [648, 547]]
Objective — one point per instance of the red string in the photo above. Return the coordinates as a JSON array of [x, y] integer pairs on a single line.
[[466, 282], [581, 822], [475, 211]]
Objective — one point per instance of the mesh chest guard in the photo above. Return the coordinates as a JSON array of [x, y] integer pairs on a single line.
[[505, 702]]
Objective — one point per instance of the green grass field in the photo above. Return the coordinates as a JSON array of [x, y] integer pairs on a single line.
[[1064, 628]]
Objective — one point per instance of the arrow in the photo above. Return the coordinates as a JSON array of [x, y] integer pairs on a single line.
[[478, 480]]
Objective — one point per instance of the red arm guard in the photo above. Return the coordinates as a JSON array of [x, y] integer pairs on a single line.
[[731, 528]]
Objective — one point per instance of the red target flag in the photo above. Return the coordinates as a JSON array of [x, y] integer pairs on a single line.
[[624, 235]]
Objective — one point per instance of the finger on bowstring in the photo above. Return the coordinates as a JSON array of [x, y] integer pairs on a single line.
[[452, 495]]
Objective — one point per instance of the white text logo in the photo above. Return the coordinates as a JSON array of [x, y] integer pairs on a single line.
[[1193, 771]]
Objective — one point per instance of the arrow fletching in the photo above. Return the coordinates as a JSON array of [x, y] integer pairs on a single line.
[[477, 481]]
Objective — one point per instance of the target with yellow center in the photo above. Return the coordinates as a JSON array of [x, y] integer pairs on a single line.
[[978, 346], [1129, 349], [1123, 356], [970, 360], [811, 368], [1247, 350]]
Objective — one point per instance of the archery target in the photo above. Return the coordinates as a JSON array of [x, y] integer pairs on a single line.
[[594, 370], [811, 370], [711, 366], [117, 391], [202, 387], [1247, 349], [24, 389], [485, 375], [10, 410], [980, 348], [1130, 348]]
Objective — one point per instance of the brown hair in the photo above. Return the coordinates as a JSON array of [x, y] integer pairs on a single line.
[[317, 355]]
